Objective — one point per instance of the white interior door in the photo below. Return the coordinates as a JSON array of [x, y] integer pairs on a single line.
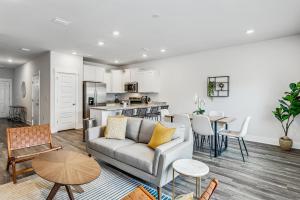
[[5, 89], [66, 101], [36, 99]]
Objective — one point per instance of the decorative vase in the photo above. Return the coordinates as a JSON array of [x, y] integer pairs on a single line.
[[285, 143]]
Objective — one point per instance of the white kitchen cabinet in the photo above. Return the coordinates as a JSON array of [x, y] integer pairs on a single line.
[[88, 73], [117, 83], [127, 76], [99, 74], [107, 81], [93, 73]]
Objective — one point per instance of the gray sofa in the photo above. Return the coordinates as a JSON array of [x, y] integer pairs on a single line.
[[133, 156]]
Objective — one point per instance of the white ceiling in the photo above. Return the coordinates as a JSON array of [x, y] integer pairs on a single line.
[[184, 26]]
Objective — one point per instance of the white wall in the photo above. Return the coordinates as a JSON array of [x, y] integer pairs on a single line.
[[67, 64], [6, 73], [25, 73], [259, 75]]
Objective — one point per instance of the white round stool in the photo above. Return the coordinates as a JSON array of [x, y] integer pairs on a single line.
[[192, 168]]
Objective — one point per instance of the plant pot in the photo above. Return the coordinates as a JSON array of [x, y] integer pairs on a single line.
[[285, 143]]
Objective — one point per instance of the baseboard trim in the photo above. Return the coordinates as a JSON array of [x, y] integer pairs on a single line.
[[265, 140]]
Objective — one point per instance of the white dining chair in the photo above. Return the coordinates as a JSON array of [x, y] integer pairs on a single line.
[[202, 127], [183, 119], [239, 135], [163, 113], [214, 113]]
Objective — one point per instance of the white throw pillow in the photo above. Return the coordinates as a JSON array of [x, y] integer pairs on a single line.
[[116, 127]]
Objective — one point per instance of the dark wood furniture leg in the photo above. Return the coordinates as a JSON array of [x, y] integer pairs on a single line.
[[70, 193], [53, 191], [159, 193], [216, 139], [226, 138]]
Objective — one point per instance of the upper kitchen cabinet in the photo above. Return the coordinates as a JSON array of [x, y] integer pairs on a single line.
[[107, 80], [114, 81], [93, 73], [148, 80], [126, 76]]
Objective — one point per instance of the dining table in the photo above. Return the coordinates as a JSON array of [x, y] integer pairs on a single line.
[[215, 121]]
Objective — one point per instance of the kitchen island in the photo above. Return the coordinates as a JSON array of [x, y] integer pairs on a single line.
[[101, 113]]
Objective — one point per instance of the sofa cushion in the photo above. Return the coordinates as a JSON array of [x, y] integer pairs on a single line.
[[108, 146], [133, 128], [116, 127], [180, 129], [138, 155], [146, 131]]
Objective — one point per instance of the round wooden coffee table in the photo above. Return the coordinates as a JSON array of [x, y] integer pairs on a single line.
[[65, 168]]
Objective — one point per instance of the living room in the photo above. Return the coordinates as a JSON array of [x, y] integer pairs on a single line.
[[204, 97]]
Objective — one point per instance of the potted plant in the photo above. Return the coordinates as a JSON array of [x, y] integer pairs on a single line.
[[199, 103], [210, 89], [286, 112]]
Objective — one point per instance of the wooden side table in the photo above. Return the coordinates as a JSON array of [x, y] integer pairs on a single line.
[[192, 168], [66, 168]]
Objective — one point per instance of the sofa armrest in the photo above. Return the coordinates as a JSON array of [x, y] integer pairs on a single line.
[[95, 132], [183, 150], [161, 149]]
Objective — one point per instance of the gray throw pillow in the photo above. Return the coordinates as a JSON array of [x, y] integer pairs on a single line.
[[133, 128], [146, 131]]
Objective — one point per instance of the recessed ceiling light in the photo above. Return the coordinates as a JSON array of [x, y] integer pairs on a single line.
[[250, 31], [74, 53], [25, 49], [163, 50], [156, 15], [10, 60], [144, 55], [145, 49], [100, 43], [116, 61], [61, 21], [116, 33]]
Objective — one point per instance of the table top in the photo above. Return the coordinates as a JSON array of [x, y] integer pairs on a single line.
[[190, 167], [211, 118], [66, 167]]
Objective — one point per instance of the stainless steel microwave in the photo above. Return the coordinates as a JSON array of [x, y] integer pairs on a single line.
[[131, 87]]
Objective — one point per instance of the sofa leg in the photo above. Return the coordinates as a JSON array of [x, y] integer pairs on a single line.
[[14, 173], [7, 165], [159, 193]]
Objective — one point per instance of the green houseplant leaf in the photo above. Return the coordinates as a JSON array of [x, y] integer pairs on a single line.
[[289, 107]]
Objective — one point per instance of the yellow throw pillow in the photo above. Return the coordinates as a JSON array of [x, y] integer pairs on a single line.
[[160, 135], [116, 127]]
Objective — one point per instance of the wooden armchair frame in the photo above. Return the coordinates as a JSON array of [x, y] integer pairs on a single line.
[[20, 139], [206, 195]]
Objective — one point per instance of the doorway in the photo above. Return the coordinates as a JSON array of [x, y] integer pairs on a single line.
[[35, 104], [5, 97], [65, 101]]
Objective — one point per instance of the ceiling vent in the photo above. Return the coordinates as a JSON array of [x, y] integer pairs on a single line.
[[61, 21]]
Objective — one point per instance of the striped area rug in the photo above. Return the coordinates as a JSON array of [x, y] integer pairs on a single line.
[[111, 185]]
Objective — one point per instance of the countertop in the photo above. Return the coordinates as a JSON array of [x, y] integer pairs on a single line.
[[112, 107]]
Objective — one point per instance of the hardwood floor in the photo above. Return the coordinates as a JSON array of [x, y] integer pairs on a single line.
[[268, 172]]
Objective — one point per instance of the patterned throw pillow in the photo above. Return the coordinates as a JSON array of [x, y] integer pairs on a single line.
[[116, 127], [188, 196]]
